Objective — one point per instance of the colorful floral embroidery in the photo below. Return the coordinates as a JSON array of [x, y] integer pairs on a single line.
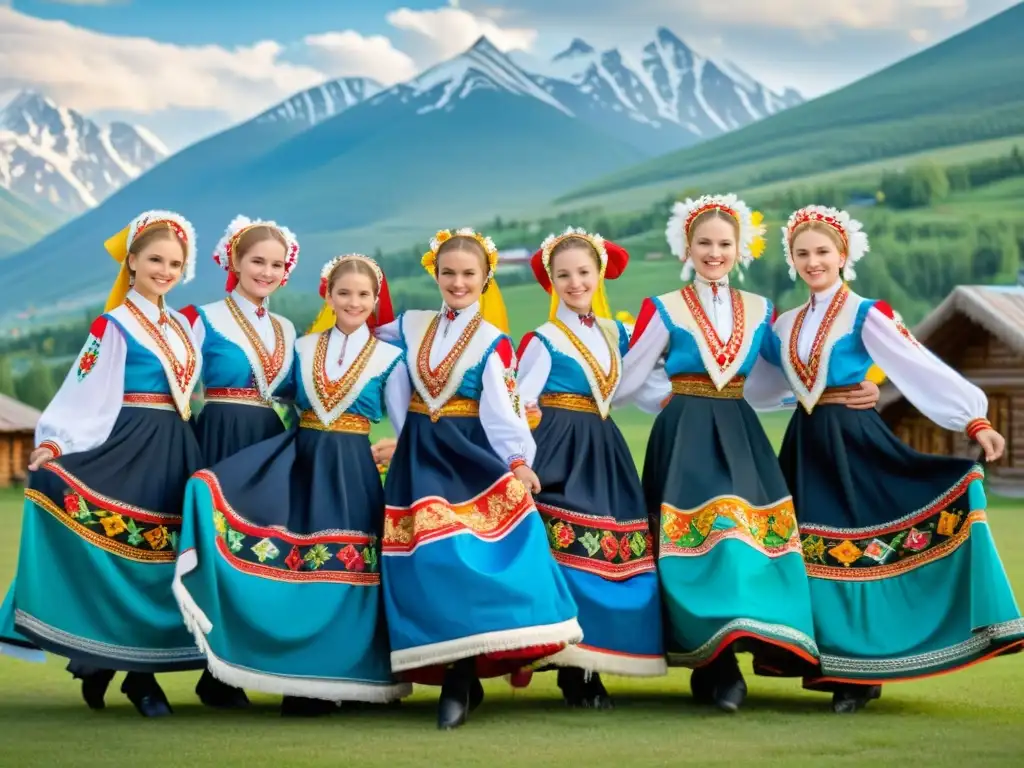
[[603, 546], [88, 359], [126, 531], [513, 388], [771, 529], [887, 551]]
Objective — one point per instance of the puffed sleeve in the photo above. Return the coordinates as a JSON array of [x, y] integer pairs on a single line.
[[767, 388], [82, 413], [931, 386], [534, 368], [397, 393], [195, 320], [654, 392], [501, 410], [646, 347], [391, 332]]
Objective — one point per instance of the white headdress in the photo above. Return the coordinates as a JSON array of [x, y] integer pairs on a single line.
[[855, 239], [181, 227], [238, 227], [751, 238]]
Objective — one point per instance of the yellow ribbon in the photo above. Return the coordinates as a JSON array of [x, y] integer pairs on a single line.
[[117, 247], [599, 306], [492, 307], [324, 321]]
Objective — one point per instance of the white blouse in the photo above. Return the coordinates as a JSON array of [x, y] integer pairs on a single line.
[[765, 389], [535, 365], [85, 408], [506, 428], [342, 351], [931, 386], [262, 325]]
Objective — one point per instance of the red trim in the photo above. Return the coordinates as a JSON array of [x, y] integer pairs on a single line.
[[741, 634], [541, 274], [647, 312], [98, 327], [977, 426], [487, 665], [775, 315], [57, 453], [516, 464], [279, 574], [604, 523], [523, 344], [190, 313], [885, 309], [111, 505], [505, 351]]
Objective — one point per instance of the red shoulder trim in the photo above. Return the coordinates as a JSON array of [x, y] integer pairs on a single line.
[[775, 315], [191, 314], [98, 327], [505, 351], [647, 312], [885, 309], [523, 344]]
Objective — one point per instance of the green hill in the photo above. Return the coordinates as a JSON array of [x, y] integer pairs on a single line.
[[966, 89], [21, 224]]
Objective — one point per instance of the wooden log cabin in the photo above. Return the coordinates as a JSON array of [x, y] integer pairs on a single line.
[[979, 331], [17, 435]]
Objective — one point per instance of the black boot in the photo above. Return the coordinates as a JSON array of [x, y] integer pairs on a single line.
[[219, 695], [476, 694], [454, 705], [145, 693], [849, 698], [730, 687], [298, 706], [597, 696], [702, 685], [94, 683], [574, 692]]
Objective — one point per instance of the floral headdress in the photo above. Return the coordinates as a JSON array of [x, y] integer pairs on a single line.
[[429, 260], [120, 244], [229, 243], [384, 312], [613, 260], [751, 224], [325, 273], [850, 231]]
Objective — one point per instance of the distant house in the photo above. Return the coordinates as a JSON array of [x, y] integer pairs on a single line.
[[17, 436], [515, 255], [979, 331]]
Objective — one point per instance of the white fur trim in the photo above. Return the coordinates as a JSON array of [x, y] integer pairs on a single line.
[[856, 237], [676, 233], [221, 320], [605, 662], [223, 258], [450, 651], [140, 221], [197, 622], [552, 240], [556, 336]]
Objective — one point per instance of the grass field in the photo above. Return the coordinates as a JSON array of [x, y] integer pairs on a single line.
[[972, 718]]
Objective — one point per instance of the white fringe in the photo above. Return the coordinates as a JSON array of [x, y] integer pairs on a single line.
[[33, 655], [449, 651], [199, 625], [591, 660]]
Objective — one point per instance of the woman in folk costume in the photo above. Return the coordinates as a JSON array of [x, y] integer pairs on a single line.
[[728, 547], [590, 499], [470, 586], [905, 577], [103, 502], [247, 350], [279, 574]]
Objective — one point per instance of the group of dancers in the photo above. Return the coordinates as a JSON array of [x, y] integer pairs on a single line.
[[512, 533]]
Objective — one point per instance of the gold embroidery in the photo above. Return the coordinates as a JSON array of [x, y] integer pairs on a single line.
[[569, 402], [235, 396], [435, 379], [330, 393], [808, 373], [351, 423], [724, 353], [271, 363], [456, 406], [148, 400], [183, 372], [772, 529], [605, 382], [702, 386]]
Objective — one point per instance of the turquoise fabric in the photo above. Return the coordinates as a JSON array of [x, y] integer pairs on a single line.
[[225, 364]]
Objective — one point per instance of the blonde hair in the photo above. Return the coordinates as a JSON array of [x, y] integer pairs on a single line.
[[463, 244], [160, 230], [254, 235], [353, 266], [822, 228], [713, 213], [574, 242]]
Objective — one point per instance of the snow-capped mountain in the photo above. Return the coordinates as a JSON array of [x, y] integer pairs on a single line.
[[55, 157], [317, 104]]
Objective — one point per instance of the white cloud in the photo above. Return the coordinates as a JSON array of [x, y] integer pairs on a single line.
[[445, 32], [348, 53], [815, 15], [91, 71]]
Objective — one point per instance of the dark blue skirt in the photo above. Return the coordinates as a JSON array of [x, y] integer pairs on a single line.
[[905, 577], [279, 576], [467, 569], [593, 509], [99, 539], [728, 546], [224, 429]]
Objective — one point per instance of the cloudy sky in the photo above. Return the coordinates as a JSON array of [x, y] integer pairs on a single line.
[[185, 68]]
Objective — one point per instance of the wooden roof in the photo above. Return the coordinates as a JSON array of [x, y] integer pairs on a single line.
[[999, 309], [15, 416]]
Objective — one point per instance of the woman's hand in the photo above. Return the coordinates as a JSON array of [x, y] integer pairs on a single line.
[[38, 457], [383, 450], [527, 477], [865, 398], [992, 443]]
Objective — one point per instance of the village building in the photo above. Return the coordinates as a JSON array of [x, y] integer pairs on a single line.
[[979, 331], [17, 435]]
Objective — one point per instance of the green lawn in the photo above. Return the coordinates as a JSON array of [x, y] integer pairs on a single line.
[[972, 718]]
